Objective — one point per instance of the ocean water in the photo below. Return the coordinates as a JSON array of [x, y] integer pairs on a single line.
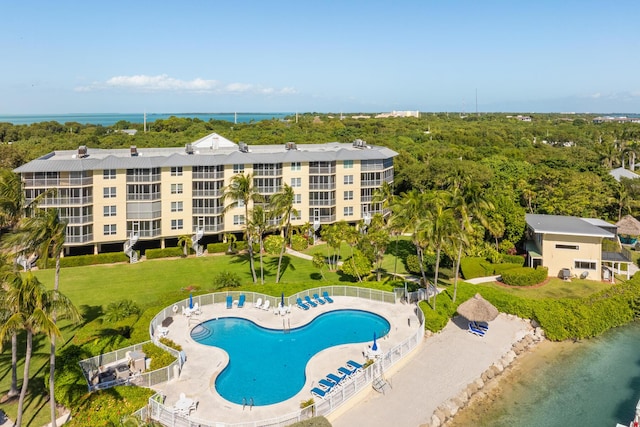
[[108, 119], [591, 383]]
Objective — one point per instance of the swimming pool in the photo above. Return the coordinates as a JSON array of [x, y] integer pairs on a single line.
[[268, 365]]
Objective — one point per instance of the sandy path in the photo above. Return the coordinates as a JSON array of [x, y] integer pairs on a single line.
[[439, 370]]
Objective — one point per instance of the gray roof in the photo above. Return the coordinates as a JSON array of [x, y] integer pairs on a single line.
[[565, 225], [203, 155], [619, 173]]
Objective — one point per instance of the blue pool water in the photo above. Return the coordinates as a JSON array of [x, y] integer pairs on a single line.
[[268, 365]]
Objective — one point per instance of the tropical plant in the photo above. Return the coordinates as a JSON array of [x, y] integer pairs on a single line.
[[185, 242], [319, 261], [33, 309], [282, 205], [120, 310]]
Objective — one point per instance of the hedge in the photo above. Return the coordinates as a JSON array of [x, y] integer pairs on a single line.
[[299, 243], [82, 260], [513, 259], [164, 253], [525, 276], [473, 267], [218, 248]]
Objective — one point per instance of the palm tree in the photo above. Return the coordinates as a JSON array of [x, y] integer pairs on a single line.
[[12, 202], [45, 233], [258, 226], [241, 189], [385, 195], [185, 242], [282, 205], [33, 309], [6, 272]]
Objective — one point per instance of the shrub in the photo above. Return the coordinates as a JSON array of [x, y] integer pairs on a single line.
[[169, 343], [273, 244], [82, 260], [472, 267], [507, 248], [357, 265], [108, 407], [218, 248], [159, 357], [299, 243], [513, 259], [70, 384], [226, 279], [119, 310], [413, 265], [525, 276], [164, 253]]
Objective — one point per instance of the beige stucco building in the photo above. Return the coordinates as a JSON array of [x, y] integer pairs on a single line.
[[112, 197], [573, 245]]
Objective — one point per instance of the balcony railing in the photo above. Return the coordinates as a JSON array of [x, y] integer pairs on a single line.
[[210, 228], [325, 218], [268, 172], [143, 178], [322, 170], [208, 211], [63, 201], [329, 202], [144, 196], [322, 186], [268, 189], [146, 233], [208, 175], [208, 193], [144, 215], [371, 183], [78, 219], [60, 182], [79, 239]]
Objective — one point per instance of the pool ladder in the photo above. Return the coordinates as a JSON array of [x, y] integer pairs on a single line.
[[244, 403]]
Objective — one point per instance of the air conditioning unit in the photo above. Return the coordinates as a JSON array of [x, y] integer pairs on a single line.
[[82, 152], [244, 148], [290, 146], [134, 151], [358, 143], [188, 148]]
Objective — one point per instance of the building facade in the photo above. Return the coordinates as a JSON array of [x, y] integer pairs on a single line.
[[122, 196]]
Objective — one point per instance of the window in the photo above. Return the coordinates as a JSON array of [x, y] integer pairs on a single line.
[[585, 265], [109, 192], [296, 166], [572, 247], [176, 171], [296, 182], [238, 219], [238, 169], [348, 179], [109, 211], [348, 195], [240, 203], [176, 224], [109, 174], [348, 164], [176, 207], [296, 216], [176, 188], [109, 229], [297, 199], [348, 211]]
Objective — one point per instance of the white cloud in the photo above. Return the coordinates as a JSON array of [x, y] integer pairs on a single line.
[[164, 83]]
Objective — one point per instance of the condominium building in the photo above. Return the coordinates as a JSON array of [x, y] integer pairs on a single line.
[[112, 197]]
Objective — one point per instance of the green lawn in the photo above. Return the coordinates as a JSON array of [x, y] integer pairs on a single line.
[[555, 288]]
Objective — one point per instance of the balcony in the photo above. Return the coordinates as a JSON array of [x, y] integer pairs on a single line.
[[268, 189], [208, 175], [208, 211], [63, 201], [322, 170], [144, 215], [325, 219], [146, 233], [322, 186], [216, 228], [268, 172], [372, 183], [78, 219], [143, 196], [215, 193], [328, 202], [78, 239], [143, 178], [60, 182]]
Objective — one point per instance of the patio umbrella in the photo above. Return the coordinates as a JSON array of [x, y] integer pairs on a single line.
[[374, 347], [190, 301], [478, 309], [282, 300]]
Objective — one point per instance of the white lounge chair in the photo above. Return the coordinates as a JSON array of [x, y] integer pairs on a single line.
[[196, 309], [266, 305], [258, 303]]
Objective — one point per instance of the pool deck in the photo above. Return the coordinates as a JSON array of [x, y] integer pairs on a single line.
[[204, 363]]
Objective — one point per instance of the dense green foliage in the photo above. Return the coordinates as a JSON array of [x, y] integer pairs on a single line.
[[413, 264], [217, 248], [164, 253], [159, 357], [299, 243], [82, 260], [524, 276], [226, 279], [107, 407], [273, 243]]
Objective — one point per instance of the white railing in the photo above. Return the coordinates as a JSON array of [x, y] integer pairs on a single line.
[[157, 411]]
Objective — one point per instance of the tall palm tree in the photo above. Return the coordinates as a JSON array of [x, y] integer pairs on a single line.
[[6, 272], [45, 233], [409, 215], [241, 188], [33, 308], [258, 226], [282, 205], [385, 195], [12, 202]]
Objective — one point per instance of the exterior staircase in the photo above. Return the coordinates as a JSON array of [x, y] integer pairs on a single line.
[[128, 248], [195, 242]]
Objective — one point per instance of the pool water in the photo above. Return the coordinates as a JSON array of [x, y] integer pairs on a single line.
[[268, 365]]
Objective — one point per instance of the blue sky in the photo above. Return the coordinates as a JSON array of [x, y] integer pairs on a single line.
[[323, 56]]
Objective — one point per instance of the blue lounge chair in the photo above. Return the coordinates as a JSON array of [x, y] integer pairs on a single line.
[[326, 297], [309, 301], [241, 301], [301, 305], [354, 365], [345, 371], [336, 379], [480, 325], [476, 331], [318, 392], [229, 301], [318, 299], [327, 384]]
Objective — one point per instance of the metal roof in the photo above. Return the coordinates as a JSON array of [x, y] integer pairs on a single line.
[[565, 225], [619, 173], [203, 155]]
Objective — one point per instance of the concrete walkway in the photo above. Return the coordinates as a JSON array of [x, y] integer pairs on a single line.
[[486, 279], [438, 370]]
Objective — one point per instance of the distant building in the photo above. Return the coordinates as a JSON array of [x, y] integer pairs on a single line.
[[129, 132], [619, 119], [619, 173], [407, 113], [521, 118]]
